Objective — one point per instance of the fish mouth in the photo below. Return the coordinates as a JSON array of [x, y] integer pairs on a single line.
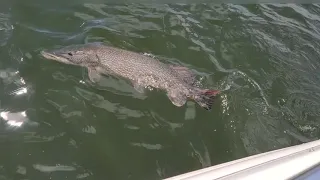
[[53, 56], [48, 55]]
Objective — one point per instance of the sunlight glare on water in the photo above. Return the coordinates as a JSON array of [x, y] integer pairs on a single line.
[[14, 119]]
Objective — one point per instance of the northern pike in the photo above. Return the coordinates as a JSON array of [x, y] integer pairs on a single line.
[[141, 70]]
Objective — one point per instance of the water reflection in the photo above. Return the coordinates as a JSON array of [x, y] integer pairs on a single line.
[[148, 146], [46, 168], [100, 102], [20, 91], [5, 28], [15, 119], [12, 80]]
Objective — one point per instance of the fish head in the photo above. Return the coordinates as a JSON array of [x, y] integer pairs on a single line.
[[74, 55]]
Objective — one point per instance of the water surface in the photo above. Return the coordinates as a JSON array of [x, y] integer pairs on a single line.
[[56, 125]]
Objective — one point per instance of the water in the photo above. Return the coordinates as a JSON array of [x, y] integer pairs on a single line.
[[56, 125]]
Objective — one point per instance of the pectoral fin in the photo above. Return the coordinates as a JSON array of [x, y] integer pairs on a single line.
[[94, 76], [138, 87], [177, 98]]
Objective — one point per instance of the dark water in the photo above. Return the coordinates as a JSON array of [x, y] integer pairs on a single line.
[[57, 125]]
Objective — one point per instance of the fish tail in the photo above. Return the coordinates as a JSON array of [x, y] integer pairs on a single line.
[[205, 97]]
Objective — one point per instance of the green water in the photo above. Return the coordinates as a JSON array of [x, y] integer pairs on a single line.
[[57, 125]]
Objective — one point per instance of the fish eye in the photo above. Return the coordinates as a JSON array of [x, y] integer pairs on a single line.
[[70, 54]]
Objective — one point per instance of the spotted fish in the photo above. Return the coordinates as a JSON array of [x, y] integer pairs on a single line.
[[141, 70]]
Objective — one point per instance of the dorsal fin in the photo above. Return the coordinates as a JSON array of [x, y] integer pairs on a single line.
[[185, 73]]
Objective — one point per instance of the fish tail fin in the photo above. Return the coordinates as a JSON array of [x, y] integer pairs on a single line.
[[205, 97]]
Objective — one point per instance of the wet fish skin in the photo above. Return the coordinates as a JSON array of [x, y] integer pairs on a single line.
[[141, 70]]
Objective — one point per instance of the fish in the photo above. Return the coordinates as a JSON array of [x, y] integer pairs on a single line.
[[179, 82]]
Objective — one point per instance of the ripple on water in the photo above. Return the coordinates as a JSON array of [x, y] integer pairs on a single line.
[[99, 101], [263, 57], [6, 28], [15, 89], [286, 64]]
